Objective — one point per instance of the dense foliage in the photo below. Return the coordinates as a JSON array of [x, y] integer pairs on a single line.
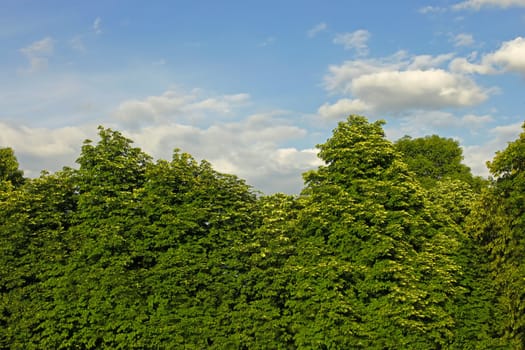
[[433, 159], [389, 246]]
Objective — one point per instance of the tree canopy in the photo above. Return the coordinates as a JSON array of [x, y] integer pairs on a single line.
[[9, 168], [389, 245], [498, 226], [434, 158]]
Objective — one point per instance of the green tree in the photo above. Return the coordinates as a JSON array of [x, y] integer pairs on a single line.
[[9, 168], [129, 253], [261, 314], [34, 250], [124, 253], [97, 301], [375, 269], [473, 304], [197, 217], [498, 225], [434, 158]]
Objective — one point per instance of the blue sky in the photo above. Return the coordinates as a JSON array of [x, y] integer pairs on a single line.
[[253, 86]]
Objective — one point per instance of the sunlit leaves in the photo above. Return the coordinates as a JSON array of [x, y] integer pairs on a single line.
[[378, 229], [126, 252], [9, 170]]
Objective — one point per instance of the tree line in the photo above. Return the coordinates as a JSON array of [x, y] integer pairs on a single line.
[[388, 246]]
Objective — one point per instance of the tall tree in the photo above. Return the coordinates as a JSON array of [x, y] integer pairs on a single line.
[[198, 216], [375, 268], [97, 301], [34, 251], [124, 253], [498, 224], [261, 314], [473, 304]]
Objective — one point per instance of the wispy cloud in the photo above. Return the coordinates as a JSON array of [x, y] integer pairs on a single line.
[[479, 4], [431, 9], [476, 156], [77, 44], [463, 39], [318, 28], [40, 47], [176, 105], [97, 25], [38, 54], [354, 41], [421, 122], [267, 42]]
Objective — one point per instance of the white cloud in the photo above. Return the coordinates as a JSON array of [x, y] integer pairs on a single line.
[[463, 39], [423, 62], [421, 123], [431, 9], [41, 142], [479, 4], [400, 82], [510, 56], [342, 108], [175, 106], [254, 148], [417, 89], [318, 28], [222, 104], [152, 108], [462, 65], [248, 148], [339, 77], [354, 41], [507, 133], [40, 149], [475, 121], [38, 54], [476, 156], [97, 25]]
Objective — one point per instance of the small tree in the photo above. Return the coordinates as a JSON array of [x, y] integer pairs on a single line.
[[9, 168]]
